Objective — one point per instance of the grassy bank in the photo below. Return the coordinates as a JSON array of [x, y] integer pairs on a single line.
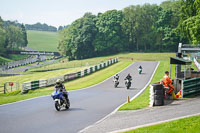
[[186, 125], [42, 41]]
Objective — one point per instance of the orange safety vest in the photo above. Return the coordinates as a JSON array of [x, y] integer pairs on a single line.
[[167, 82]]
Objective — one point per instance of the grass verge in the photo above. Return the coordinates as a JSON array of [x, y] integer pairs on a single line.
[[185, 125], [143, 100]]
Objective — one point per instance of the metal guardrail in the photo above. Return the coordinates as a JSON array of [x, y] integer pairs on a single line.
[[23, 62], [31, 85], [197, 63], [191, 86]]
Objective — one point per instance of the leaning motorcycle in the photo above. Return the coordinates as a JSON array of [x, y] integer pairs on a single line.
[[116, 82], [128, 83], [139, 70], [60, 100]]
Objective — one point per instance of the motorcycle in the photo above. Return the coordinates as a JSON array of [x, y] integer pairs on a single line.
[[139, 70], [60, 100], [128, 83], [116, 82]]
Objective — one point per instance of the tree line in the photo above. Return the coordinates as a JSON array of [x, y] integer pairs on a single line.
[[12, 36], [140, 28], [41, 27]]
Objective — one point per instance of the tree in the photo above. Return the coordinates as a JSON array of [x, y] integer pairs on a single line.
[[2, 38], [191, 28], [146, 21], [24, 36], [109, 37], [41, 27], [129, 26], [77, 39], [189, 23], [14, 36]]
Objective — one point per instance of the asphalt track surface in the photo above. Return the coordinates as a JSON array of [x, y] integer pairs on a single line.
[[87, 106], [24, 68], [122, 121]]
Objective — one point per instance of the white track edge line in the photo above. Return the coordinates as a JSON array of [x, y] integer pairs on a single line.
[[154, 123], [82, 131]]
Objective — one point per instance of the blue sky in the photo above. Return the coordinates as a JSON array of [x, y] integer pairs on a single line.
[[60, 12]]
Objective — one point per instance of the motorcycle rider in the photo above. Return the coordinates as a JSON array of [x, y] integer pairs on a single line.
[[128, 77], [140, 69], [116, 77], [60, 87]]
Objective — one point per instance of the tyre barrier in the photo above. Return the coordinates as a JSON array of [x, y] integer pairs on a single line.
[[32, 85], [156, 95]]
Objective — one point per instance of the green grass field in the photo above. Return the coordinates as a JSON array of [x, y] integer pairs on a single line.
[[38, 40], [42, 41], [185, 125], [12, 57]]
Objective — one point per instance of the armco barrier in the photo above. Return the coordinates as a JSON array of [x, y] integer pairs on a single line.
[[197, 63], [70, 76], [23, 62], [32, 85], [67, 77], [52, 81], [191, 86]]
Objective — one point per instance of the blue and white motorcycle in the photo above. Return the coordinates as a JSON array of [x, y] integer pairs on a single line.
[[60, 100]]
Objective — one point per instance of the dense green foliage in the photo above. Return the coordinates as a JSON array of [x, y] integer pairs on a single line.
[[140, 28], [41, 27], [12, 36], [190, 20]]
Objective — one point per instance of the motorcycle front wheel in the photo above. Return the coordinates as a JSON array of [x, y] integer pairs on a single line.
[[57, 106]]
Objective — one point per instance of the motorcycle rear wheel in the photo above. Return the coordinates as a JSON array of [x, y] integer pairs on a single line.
[[67, 104]]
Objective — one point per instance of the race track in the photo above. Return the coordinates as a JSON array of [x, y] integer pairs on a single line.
[[87, 106]]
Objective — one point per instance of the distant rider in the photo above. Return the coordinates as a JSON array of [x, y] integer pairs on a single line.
[[128, 77], [60, 87], [116, 77]]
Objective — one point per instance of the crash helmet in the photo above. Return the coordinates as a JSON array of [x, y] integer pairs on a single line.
[[58, 81]]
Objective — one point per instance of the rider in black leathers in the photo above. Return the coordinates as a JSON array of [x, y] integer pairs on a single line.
[[60, 87], [128, 77]]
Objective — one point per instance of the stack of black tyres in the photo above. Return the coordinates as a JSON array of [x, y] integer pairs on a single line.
[[158, 94]]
